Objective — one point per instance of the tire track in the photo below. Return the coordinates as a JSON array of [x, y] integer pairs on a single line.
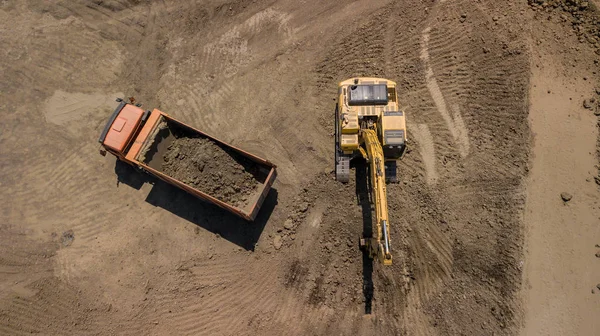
[[426, 148], [88, 215], [454, 121], [103, 18], [487, 187], [425, 250], [26, 315], [20, 267], [227, 305], [205, 98], [92, 212], [206, 107], [227, 297]]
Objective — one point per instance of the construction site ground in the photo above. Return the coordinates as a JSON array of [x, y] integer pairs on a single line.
[[494, 220]]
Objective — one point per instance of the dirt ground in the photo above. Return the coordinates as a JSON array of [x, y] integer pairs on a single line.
[[202, 164], [483, 244]]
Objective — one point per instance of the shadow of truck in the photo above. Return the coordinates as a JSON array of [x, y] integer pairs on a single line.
[[206, 215]]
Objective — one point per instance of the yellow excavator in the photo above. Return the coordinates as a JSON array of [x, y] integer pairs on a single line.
[[370, 124]]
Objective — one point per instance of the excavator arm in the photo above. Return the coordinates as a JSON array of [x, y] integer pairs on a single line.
[[380, 244]]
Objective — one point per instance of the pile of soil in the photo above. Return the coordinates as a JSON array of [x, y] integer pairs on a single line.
[[581, 14], [204, 165]]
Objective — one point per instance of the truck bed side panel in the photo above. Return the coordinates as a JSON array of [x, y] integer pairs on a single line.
[[142, 137], [263, 195], [195, 192]]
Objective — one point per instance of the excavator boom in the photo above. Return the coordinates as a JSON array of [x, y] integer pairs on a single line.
[[379, 245]]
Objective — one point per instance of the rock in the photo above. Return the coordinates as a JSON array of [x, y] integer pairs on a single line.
[[288, 224], [566, 196], [598, 286], [303, 207], [588, 104], [67, 238], [277, 242], [597, 254]]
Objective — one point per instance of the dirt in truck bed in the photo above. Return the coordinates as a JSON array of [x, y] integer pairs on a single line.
[[204, 165]]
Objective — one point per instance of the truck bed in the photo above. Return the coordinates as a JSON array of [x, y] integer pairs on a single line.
[[203, 165]]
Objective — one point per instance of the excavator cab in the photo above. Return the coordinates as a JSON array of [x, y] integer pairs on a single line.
[[367, 94]]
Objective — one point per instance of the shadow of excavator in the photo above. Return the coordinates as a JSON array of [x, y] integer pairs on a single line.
[[363, 198]]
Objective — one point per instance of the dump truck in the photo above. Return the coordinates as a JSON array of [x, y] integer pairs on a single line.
[[152, 142]]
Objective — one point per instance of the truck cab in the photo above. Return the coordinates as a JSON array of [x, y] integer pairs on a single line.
[[121, 128]]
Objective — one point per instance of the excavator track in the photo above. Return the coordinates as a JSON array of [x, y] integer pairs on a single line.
[[342, 162], [390, 171], [342, 168]]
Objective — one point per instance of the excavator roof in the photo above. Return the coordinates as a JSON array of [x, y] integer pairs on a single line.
[[367, 81], [373, 94]]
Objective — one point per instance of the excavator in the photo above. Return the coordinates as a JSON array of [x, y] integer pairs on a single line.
[[370, 124]]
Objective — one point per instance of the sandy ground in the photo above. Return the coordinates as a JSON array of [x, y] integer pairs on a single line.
[[89, 246], [561, 271], [560, 263]]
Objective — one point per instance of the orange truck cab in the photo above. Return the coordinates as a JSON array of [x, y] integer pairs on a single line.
[[138, 138], [120, 128]]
